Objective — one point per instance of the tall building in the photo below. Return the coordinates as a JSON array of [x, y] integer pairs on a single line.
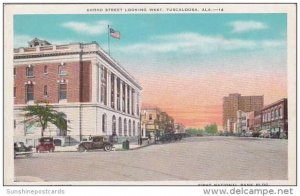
[[96, 93], [235, 102]]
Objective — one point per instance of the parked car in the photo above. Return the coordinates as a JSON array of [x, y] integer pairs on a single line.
[[255, 134], [265, 134], [45, 144], [96, 142], [248, 134], [275, 134], [21, 149]]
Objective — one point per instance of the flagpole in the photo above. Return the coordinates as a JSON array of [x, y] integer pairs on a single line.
[[108, 39]]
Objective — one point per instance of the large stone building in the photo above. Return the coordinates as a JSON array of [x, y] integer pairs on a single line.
[[235, 102], [97, 94]]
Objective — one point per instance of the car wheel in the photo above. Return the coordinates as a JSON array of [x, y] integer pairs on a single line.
[[107, 147], [81, 149]]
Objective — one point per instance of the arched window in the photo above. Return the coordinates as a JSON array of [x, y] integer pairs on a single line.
[[114, 124], [133, 128], [120, 126], [29, 92], [104, 123], [45, 69], [129, 127], [45, 91], [125, 127]]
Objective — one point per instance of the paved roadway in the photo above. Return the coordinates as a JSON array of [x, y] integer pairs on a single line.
[[201, 158]]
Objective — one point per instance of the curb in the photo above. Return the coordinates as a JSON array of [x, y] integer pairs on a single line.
[[119, 149]]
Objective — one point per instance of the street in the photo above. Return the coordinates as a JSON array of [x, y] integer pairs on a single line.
[[196, 158]]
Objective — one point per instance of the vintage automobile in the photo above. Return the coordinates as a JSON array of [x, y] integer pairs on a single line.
[[21, 149], [96, 142], [45, 144]]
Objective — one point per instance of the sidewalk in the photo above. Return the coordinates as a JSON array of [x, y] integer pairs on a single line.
[[117, 147]]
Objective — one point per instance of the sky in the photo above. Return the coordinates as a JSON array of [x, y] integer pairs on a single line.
[[186, 63]]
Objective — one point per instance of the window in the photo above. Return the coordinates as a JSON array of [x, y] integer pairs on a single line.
[[281, 112], [15, 71], [62, 91], [61, 70], [45, 69], [120, 126], [29, 71], [15, 92], [104, 123], [15, 124], [114, 124], [45, 91], [29, 92], [150, 116]]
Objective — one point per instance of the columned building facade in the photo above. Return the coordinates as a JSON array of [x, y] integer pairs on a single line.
[[97, 94]]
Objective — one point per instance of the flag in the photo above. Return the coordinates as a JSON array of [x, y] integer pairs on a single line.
[[114, 34]]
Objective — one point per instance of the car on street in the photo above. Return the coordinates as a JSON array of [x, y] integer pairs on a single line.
[[95, 143], [22, 149], [264, 134], [45, 144]]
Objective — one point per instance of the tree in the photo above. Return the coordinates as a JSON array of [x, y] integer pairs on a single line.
[[41, 115], [194, 131], [211, 129]]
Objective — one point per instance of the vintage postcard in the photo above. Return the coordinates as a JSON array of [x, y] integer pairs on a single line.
[[150, 94]]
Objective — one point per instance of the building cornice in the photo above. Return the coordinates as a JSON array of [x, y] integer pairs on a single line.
[[76, 49]]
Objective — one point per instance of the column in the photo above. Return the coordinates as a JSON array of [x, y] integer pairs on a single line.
[[116, 92], [126, 95], [133, 102], [130, 97], [121, 95], [99, 83], [138, 104], [108, 89]]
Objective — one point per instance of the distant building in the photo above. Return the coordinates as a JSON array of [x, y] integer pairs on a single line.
[[156, 122], [150, 121], [235, 102], [241, 123], [179, 128], [250, 117], [275, 117], [257, 121]]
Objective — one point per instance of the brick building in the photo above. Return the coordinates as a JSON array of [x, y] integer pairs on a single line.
[[97, 94], [275, 117], [235, 102]]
